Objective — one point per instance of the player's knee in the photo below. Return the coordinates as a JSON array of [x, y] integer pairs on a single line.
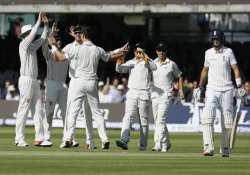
[[208, 115], [144, 121], [228, 119]]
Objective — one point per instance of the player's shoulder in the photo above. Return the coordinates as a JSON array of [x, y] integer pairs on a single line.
[[228, 50], [210, 50]]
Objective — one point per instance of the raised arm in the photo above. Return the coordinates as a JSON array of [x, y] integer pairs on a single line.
[[46, 52], [122, 67], [27, 40], [38, 43]]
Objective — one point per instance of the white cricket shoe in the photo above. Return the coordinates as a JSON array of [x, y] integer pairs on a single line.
[[75, 144], [166, 149], [46, 143], [105, 145], [66, 144], [22, 144]]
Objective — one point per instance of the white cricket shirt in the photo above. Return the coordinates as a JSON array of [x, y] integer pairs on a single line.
[[219, 68], [140, 73], [70, 49], [164, 76], [87, 57], [28, 49]]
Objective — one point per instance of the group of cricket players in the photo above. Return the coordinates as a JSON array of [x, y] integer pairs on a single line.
[[150, 83]]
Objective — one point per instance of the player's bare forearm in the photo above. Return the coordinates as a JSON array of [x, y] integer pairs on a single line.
[[203, 76], [59, 56], [236, 71], [180, 84]]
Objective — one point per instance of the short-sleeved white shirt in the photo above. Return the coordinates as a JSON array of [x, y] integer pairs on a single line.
[[140, 74], [219, 68], [164, 76], [87, 57]]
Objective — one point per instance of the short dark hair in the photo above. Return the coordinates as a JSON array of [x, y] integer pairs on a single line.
[[88, 32], [56, 36], [139, 45]]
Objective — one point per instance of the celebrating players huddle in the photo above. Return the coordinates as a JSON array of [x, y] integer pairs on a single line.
[[150, 83]]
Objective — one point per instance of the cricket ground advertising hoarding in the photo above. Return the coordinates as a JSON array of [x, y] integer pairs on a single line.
[[182, 117]]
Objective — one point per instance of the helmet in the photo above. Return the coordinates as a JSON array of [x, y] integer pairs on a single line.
[[218, 34]]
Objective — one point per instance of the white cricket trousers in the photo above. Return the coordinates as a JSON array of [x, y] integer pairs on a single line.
[[30, 99], [135, 107], [56, 93], [160, 106], [79, 90], [222, 100]]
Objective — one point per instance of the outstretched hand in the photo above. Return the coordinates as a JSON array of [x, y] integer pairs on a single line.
[[44, 18], [71, 31], [54, 28], [51, 40], [146, 58]]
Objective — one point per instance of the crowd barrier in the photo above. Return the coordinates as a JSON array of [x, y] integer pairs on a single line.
[[182, 117]]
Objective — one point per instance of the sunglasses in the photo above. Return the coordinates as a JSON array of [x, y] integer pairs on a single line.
[[78, 33]]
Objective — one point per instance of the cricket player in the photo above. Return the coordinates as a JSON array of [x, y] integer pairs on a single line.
[[29, 87], [161, 94], [76, 33], [140, 71], [219, 60], [84, 85], [56, 90]]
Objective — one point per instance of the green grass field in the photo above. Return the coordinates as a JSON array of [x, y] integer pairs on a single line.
[[184, 157]]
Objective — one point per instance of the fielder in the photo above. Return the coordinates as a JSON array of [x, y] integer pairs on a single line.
[[56, 90], [76, 33], [30, 94], [161, 94], [138, 96], [219, 92], [84, 85]]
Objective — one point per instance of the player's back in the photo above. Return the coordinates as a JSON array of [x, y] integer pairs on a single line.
[[28, 59], [87, 60]]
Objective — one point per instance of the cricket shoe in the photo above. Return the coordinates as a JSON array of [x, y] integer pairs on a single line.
[[46, 143], [105, 145], [22, 144], [121, 144], [37, 142], [156, 149], [90, 147], [66, 144], [225, 152], [75, 144], [208, 153], [166, 149]]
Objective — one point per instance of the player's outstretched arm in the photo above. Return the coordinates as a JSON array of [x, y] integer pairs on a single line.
[[57, 54], [31, 36], [119, 53], [38, 43]]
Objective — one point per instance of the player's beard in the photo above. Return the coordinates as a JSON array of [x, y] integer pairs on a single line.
[[217, 44]]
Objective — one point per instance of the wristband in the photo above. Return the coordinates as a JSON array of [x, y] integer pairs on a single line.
[[238, 82]]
